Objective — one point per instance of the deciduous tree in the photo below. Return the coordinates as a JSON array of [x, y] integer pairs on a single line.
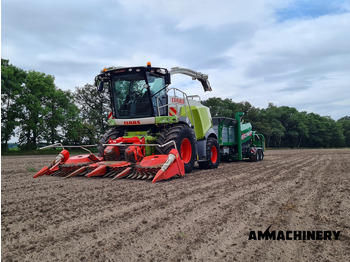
[[12, 81]]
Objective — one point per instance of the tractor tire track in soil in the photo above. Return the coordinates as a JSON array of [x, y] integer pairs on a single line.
[[205, 216]]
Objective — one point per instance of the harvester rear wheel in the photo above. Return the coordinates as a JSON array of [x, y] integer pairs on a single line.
[[112, 133], [213, 154], [185, 143]]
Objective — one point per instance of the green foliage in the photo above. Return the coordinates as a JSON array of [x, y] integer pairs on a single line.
[[32, 103], [345, 124], [94, 108], [12, 79], [32, 169], [44, 114]]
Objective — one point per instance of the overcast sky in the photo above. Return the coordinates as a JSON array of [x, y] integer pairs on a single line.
[[290, 53]]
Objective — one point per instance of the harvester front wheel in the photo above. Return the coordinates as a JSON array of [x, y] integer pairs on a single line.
[[213, 154], [185, 143], [112, 133]]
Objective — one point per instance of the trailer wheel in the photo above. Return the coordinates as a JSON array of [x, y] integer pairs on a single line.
[[111, 133], [253, 158], [261, 155], [185, 143], [213, 154]]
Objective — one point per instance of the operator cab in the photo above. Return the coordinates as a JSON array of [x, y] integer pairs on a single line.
[[137, 92]]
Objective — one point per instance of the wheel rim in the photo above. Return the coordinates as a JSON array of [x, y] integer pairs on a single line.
[[186, 150], [213, 154]]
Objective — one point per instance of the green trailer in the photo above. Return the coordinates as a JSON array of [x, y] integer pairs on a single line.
[[237, 140]]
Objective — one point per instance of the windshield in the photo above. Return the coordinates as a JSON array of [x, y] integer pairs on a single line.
[[158, 94], [134, 97]]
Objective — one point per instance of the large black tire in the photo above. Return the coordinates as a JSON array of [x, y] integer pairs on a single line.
[[258, 156], [213, 154], [261, 155], [185, 143], [253, 158], [111, 133]]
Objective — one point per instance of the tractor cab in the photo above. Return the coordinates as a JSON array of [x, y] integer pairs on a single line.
[[136, 92]]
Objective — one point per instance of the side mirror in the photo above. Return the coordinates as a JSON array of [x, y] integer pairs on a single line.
[[167, 79], [100, 86]]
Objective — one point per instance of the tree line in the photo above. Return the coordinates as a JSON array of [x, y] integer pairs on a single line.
[[36, 111], [285, 126], [39, 113]]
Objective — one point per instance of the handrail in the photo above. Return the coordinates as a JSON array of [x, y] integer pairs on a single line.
[[195, 96], [184, 98], [63, 147]]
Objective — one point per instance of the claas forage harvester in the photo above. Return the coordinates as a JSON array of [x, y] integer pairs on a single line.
[[157, 131]]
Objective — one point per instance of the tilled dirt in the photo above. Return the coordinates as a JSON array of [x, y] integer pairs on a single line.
[[205, 216]]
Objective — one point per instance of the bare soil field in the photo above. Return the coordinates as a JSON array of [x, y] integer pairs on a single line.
[[205, 216]]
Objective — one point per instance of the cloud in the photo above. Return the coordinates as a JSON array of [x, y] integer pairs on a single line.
[[210, 14], [294, 53], [299, 57]]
